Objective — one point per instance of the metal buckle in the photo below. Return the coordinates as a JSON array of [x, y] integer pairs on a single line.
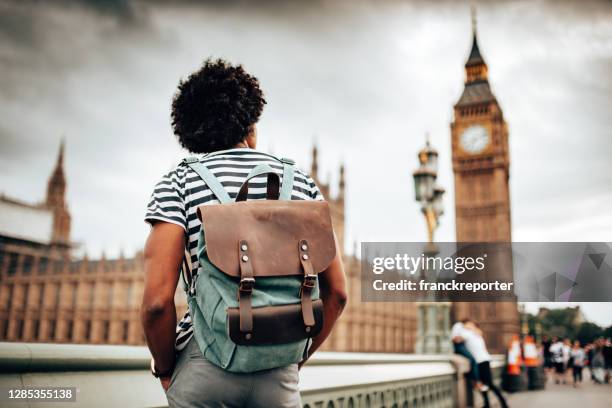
[[310, 281], [287, 160], [190, 159], [247, 284]]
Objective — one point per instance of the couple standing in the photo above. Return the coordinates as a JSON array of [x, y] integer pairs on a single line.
[[468, 342]]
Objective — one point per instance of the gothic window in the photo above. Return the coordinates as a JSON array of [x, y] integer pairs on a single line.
[[70, 329], [74, 295], [26, 290], [43, 263], [58, 267], [19, 329], [28, 261], [35, 329], [109, 300], [105, 331], [9, 297], [92, 296], [52, 329], [5, 329], [87, 330], [41, 296], [126, 330], [12, 263], [129, 294], [57, 295]]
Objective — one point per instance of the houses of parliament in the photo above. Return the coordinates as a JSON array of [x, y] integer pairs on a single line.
[[46, 295]]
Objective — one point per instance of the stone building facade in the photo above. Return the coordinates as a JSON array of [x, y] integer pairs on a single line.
[[47, 296]]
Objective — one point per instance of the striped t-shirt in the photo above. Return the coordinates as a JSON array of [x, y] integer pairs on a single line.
[[179, 193]]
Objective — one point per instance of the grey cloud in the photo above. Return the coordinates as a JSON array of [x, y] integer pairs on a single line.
[[369, 78]]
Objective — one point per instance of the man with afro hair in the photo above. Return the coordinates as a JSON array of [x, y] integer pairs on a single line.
[[214, 116]]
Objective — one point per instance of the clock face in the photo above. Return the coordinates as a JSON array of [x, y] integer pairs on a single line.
[[475, 139]]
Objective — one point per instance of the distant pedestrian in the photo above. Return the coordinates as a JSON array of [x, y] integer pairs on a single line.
[[556, 351], [599, 364], [476, 345], [578, 359], [548, 363], [459, 347], [607, 353], [590, 354]]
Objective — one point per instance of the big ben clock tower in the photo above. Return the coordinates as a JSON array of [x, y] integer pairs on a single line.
[[481, 167]]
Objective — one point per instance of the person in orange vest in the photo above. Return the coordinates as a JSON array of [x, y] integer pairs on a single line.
[[514, 356], [530, 352]]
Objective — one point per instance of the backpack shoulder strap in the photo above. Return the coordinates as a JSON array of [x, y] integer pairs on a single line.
[[288, 172], [209, 178]]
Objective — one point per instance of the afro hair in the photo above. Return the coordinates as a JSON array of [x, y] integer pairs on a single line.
[[216, 107]]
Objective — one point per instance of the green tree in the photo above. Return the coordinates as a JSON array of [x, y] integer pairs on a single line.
[[556, 322], [587, 332]]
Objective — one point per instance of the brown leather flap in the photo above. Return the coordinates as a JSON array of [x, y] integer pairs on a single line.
[[275, 324], [272, 230]]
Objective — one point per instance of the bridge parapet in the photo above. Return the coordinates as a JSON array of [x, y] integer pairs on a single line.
[[119, 376]]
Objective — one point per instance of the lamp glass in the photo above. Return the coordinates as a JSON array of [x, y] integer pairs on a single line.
[[438, 205], [432, 162]]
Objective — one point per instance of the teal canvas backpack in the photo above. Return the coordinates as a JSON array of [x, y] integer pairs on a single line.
[[254, 300]]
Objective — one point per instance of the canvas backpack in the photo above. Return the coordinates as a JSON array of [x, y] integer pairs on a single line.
[[254, 301]]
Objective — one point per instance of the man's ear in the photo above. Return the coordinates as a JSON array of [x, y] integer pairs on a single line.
[[251, 139]]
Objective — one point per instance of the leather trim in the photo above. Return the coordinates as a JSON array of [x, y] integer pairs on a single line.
[[275, 324], [245, 288], [273, 229], [310, 281]]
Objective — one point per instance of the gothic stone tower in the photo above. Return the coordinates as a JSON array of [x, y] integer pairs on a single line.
[[56, 201], [481, 165], [336, 204]]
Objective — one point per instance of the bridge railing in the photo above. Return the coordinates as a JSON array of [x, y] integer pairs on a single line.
[[118, 376]]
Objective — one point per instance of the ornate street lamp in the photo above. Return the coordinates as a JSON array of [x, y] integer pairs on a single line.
[[427, 192], [433, 317]]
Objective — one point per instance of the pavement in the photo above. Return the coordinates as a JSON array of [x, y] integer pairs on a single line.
[[586, 395]]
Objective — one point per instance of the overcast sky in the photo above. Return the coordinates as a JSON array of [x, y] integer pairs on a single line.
[[364, 79]]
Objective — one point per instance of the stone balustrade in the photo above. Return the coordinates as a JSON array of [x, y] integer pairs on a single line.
[[118, 376]]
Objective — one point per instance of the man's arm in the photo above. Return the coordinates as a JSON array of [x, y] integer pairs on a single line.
[[163, 255], [332, 287]]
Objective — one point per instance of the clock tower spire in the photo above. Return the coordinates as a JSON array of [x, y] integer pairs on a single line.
[[481, 167]]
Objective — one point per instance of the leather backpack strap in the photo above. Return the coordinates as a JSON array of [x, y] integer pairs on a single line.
[[272, 184], [245, 290], [310, 281]]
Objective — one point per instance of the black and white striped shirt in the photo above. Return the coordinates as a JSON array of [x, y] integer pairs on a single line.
[[179, 193]]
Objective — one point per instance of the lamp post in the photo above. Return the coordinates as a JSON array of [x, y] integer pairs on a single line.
[[428, 193], [433, 317]]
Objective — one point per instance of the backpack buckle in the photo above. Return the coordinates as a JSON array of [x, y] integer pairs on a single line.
[[190, 159], [310, 281], [246, 285], [285, 160]]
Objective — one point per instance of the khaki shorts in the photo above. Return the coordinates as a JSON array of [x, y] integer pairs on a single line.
[[197, 383]]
